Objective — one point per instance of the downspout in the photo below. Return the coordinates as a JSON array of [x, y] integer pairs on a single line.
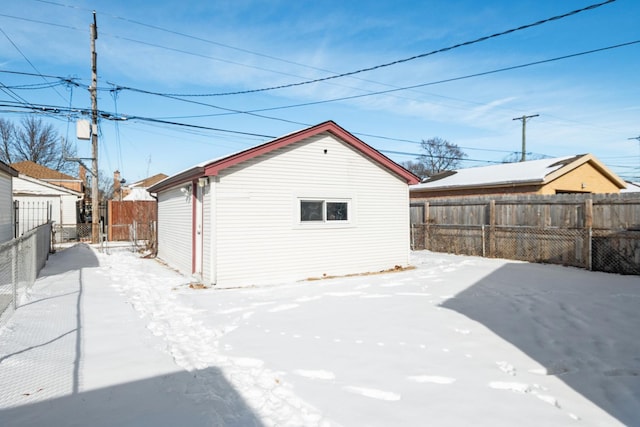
[[194, 225], [213, 230], [154, 249]]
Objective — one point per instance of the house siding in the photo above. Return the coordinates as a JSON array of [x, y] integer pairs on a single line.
[[584, 178], [63, 204], [260, 240], [68, 210], [175, 229], [207, 234], [6, 208]]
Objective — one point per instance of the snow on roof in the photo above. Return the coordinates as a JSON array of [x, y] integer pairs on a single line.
[[138, 193], [632, 187], [507, 173]]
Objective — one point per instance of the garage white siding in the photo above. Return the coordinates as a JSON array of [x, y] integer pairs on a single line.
[[68, 210], [175, 229], [207, 234], [260, 238], [6, 208]]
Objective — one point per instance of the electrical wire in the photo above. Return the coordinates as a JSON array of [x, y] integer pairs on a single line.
[[29, 62], [400, 61], [453, 79]]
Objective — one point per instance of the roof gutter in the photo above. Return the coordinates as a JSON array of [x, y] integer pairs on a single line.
[[186, 176]]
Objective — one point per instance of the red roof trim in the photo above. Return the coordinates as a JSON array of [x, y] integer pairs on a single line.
[[329, 126]]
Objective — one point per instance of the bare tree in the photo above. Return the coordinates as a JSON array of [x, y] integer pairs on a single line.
[[36, 141], [7, 139], [418, 168], [105, 186], [439, 155], [516, 157]]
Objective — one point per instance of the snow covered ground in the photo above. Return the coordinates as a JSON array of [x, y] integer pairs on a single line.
[[113, 339]]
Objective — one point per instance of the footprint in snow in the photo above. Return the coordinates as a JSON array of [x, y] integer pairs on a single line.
[[247, 362], [391, 285], [307, 299], [283, 308], [232, 310], [622, 372], [315, 375], [511, 386], [413, 294], [342, 294], [433, 379], [373, 393], [557, 370], [507, 368]]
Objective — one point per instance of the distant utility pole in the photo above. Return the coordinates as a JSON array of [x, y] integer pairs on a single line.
[[93, 90], [524, 133]]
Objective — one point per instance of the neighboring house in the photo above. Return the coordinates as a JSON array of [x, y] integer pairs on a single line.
[[632, 187], [40, 201], [59, 179], [135, 191], [571, 174], [315, 203], [50, 176], [7, 173]]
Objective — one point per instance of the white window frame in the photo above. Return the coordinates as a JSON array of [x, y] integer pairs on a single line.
[[324, 222]]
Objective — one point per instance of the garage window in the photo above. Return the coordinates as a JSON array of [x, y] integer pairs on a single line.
[[324, 210]]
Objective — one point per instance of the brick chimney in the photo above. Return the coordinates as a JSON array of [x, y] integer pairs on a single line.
[[116, 183], [82, 174]]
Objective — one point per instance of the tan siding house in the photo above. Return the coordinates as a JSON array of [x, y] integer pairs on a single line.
[[315, 203], [572, 174]]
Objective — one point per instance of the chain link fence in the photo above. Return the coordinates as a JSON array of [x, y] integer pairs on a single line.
[[139, 235], [21, 260], [600, 250], [616, 251]]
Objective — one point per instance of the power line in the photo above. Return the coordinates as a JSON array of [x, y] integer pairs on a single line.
[[449, 80], [35, 21], [422, 55], [29, 62], [188, 52], [243, 50], [335, 75]]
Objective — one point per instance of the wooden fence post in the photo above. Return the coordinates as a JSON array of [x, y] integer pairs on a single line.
[[588, 224], [425, 221], [110, 220], [492, 225]]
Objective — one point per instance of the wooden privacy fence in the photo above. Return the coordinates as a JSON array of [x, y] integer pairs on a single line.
[[599, 232], [131, 220]]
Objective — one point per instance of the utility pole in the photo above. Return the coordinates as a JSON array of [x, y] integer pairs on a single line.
[[93, 90], [524, 133]]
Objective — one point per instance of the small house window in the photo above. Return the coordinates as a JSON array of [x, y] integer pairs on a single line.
[[337, 211], [311, 210], [324, 210]]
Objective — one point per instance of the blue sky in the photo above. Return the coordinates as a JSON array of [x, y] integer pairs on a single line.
[[586, 104]]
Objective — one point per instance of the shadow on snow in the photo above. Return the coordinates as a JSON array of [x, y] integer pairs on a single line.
[[580, 326]]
